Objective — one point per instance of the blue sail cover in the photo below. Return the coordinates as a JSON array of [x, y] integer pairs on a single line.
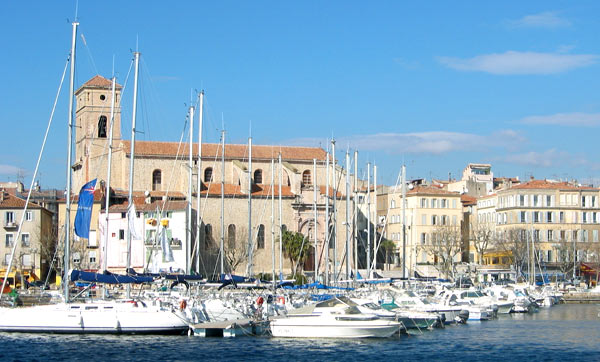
[[108, 278]]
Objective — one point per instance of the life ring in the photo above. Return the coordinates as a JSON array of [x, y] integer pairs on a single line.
[[182, 304]]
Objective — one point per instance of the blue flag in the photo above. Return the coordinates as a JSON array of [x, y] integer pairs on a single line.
[[84, 209]]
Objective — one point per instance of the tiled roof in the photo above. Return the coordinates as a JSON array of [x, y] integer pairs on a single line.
[[236, 190], [210, 150], [468, 200], [431, 190], [99, 82], [13, 202], [141, 206], [547, 185]]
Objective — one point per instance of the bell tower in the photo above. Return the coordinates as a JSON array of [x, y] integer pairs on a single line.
[[92, 114]]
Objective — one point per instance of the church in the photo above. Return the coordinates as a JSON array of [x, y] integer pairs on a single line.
[[230, 186]]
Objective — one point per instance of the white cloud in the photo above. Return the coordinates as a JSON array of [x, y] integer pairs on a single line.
[[513, 62], [436, 143], [547, 19], [9, 170], [551, 158], [565, 119]]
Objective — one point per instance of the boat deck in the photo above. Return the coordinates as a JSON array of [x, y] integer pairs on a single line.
[[231, 328]]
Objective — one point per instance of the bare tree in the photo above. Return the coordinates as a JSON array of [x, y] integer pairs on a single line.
[[235, 249], [483, 237], [444, 244], [564, 256], [514, 241]]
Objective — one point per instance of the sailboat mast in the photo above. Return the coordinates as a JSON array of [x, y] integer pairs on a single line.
[[188, 229], [368, 220], [314, 181], [403, 221], [199, 180], [347, 214], [69, 155], [355, 218], [273, 218], [280, 221], [222, 246], [375, 246], [334, 232], [250, 246], [327, 228], [107, 186], [131, 164]]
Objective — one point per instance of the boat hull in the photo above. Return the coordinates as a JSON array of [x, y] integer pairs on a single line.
[[351, 329], [91, 318]]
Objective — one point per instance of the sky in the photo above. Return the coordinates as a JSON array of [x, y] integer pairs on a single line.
[[434, 85]]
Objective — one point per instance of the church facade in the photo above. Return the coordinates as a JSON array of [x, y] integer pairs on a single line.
[[161, 173]]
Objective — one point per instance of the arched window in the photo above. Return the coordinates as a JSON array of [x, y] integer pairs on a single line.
[[102, 127], [207, 235], [260, 242], [231, 236], [306, 181], [208, 174], [156, 180], [258, 176]]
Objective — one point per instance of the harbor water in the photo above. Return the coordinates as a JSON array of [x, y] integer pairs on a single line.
[[552, 334]]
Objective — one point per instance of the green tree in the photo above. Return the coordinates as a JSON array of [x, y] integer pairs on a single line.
[[388, 246], [296, 248]]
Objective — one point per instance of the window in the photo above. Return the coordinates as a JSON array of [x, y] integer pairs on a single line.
[[433, 203], [92, 256], [423, 219], [454, 204], [561, 217], [522, 200], [258, 177], [231, 236], [549, 200], [423, 202], [76, 258], [9, 217], [121, 234], [306, 181], [6, 258], [25, 240], [423, 238], [9, 240], [453, 219], [536, 235], [28, 216], [393, 204], [444, 204], [123, 215], [156, 180], [434, 220], [208, 174], [550, 235], [26, 260], [583, 201], [102, 127], [207, 235], [260, 239], [550, 216]]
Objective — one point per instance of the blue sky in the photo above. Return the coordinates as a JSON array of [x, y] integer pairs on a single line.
[[435, 85]]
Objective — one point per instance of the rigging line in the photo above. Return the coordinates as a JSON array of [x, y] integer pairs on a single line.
[[35, 172], [89, 53]]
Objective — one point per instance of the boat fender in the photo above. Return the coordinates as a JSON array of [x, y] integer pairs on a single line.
[[182, 304], [260, 300], [281, 300]]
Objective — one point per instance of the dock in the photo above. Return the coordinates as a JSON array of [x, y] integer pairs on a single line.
[[581, 297], [231, 328]]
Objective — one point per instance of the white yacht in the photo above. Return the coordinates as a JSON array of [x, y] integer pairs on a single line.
[[338, 317], [114, 317]]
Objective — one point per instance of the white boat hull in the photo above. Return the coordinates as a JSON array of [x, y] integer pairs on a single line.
[[111, 318], [295, 327]]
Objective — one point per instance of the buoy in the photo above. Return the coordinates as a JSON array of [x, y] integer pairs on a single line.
[[182, 304], [281, 300], [260, 300]]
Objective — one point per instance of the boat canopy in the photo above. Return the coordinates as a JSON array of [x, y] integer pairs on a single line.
[[108, 278]]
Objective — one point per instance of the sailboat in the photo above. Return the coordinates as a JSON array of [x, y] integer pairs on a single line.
[[114, 316]]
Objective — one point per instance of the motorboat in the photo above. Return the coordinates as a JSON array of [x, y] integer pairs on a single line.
[[338, 317]]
